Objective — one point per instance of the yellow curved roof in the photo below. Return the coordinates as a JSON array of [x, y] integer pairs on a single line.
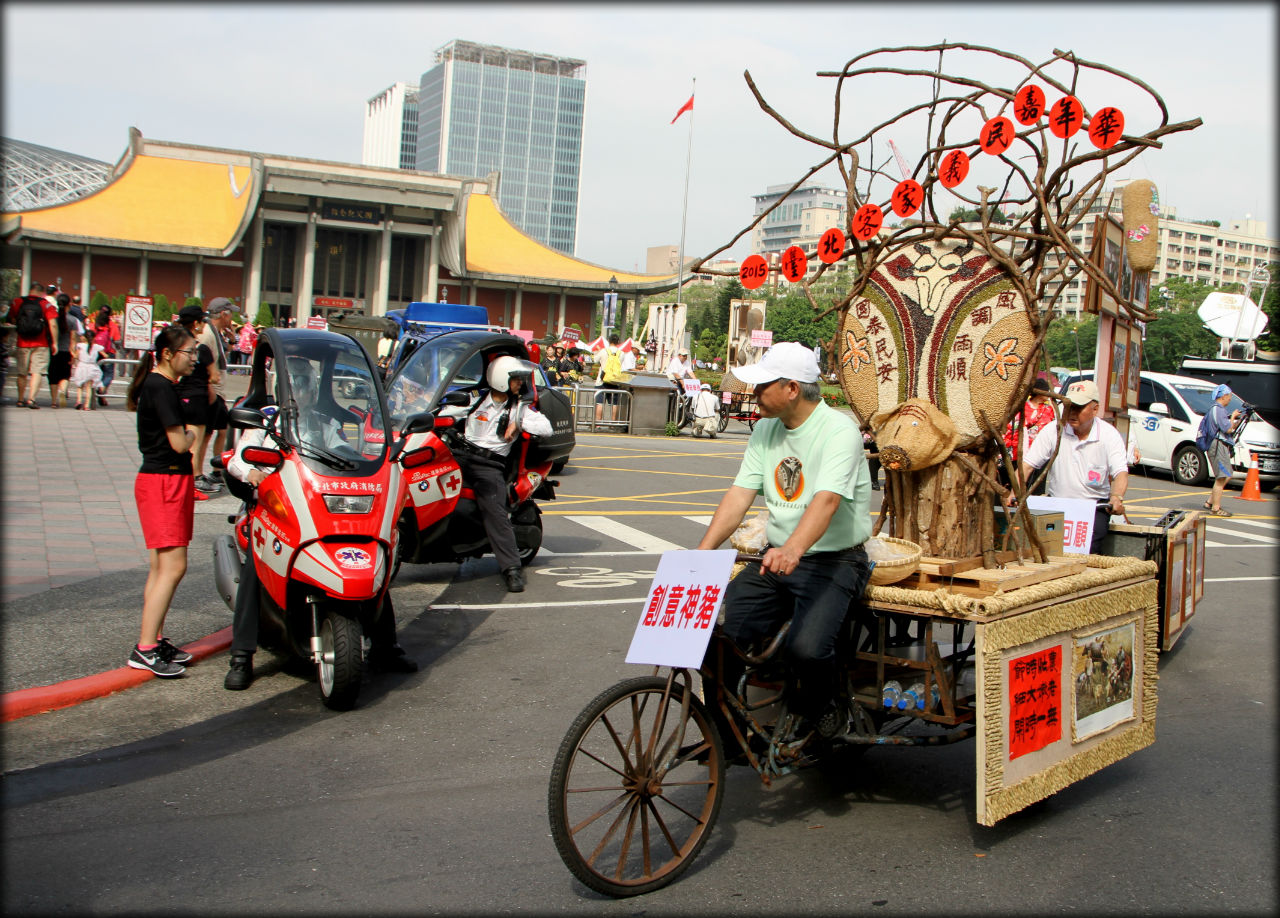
[[158, 201], [495, 246]]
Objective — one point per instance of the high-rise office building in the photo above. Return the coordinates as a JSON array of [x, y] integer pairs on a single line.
[[485, 109], [391, 128]]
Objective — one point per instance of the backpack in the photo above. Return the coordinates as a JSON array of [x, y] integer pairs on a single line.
[[103, 337], [31, 321], [612, 365], [1206, 434]]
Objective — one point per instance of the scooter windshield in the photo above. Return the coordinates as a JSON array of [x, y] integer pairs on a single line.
[[331, 405], [438, 366]]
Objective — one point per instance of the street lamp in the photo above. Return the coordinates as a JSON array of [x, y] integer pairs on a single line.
[[1165, 296]]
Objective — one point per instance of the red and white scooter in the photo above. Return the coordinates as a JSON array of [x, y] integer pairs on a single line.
[[320, 531]]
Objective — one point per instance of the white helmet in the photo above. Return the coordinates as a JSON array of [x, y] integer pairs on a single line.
[[500, 370]]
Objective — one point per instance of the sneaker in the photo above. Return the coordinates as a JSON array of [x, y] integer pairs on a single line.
[[172, 653], [514, 578], [241, 672], [834, 722], [215, 476], [207, 484], [154, 661]]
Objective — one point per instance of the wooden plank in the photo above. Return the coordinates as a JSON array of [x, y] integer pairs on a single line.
[[1020, 578]]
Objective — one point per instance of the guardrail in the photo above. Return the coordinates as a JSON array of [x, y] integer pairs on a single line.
[[599, 409]]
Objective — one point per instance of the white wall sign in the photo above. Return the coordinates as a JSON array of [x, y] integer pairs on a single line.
[[680, 611], [137, 323], [761, 337], [1077, 520]]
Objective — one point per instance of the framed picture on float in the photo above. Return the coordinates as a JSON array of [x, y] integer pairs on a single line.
[[1134, 379], [1118, 371], [1113, 264]]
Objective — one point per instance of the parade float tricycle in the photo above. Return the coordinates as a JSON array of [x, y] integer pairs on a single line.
[[973, 626]]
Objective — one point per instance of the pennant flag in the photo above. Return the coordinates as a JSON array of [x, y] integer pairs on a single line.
[[597, 345], [627, 346], [687, 107]]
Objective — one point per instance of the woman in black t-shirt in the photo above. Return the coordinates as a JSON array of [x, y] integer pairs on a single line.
[[164, 491], [194, 392]]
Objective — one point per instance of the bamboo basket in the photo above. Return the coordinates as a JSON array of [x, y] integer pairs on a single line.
[[892, 571]]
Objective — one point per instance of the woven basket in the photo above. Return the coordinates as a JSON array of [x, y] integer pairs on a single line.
[[892, 571]]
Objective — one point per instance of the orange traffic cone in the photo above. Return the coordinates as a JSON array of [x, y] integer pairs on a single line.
[[1251, 490]]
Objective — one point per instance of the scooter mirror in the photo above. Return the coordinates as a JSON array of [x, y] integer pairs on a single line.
[[456, 399], [247, 418], [419, 423]]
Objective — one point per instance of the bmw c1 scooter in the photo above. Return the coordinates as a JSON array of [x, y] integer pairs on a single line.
[[321, 530], [441, 520]]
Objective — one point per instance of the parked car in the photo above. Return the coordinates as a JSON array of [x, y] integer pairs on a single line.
[[1167, 417]]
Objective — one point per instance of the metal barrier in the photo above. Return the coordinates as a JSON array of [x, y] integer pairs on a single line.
[[588, 401]]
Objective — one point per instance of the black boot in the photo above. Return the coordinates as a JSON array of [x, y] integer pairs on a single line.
[[241, 672], [514, 578]]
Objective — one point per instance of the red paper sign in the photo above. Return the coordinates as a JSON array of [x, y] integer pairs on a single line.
[[867, 221], [1066, 116], [317, 322], [753, 271], [996, 136], [571, 335], [1105, 127], [1028, 104], [831, 245], [794, 263], [907, 197], [1035, 701], [955, 166]]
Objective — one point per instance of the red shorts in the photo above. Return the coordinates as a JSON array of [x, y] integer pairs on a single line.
[[166, 508]]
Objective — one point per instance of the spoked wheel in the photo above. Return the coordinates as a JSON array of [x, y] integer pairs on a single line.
[[636, 787], [724, 418], [341, 663]]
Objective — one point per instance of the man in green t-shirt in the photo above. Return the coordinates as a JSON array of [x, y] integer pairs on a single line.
[[806, 458]]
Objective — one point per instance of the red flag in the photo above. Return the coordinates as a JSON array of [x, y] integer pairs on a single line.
[[687, 107]]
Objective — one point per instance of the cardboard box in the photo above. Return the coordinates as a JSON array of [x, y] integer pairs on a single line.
[[1048, 526]]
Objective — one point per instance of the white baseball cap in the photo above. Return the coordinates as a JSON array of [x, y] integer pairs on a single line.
[[785, 360], [1083, 392]]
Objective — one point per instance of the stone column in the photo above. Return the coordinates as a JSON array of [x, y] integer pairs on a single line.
[[515, 320], [253, 292], [197, 278], [143, 265], [304, 284], [86, 274], [380, 293], [430, 294]]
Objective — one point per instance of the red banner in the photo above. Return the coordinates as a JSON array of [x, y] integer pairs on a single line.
[[1035, 701]]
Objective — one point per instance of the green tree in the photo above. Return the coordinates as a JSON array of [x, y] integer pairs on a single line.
[[973, 215], [10, 284], [161, 310], [192, 301], [99, 300], [117, 303], [791, 318], [1062, 338], [265, 317]]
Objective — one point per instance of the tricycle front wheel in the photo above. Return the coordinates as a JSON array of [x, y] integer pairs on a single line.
[[636, 787]]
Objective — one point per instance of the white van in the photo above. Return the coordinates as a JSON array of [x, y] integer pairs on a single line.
[[1167, 417]]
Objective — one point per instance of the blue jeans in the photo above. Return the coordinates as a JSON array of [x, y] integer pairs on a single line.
[[816, 597]]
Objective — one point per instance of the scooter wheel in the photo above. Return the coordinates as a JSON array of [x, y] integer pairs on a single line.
[[341, 664]]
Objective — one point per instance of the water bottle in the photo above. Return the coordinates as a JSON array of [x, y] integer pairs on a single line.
[[892, 692], [914, 697]]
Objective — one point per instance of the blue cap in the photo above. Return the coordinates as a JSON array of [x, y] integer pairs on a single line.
[[1220, 390]]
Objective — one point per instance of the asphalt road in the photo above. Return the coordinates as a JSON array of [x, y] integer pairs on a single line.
[[430, 797]]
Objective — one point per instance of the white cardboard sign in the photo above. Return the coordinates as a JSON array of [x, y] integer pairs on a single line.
[[761, 337], [680, 611], [1077, 520], [138, 334], [691, 386]]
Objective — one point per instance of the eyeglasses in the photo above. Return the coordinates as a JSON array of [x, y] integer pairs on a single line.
[[190, 352]]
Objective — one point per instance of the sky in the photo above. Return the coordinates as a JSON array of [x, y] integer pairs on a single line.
[[293, 79]]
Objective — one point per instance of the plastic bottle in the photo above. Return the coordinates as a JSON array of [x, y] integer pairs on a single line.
[[914, 697], [892, 692]]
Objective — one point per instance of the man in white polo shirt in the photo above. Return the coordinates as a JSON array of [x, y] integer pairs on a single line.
[[1092, 461]]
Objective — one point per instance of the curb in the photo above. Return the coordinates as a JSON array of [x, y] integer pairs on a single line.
[[44, 698]]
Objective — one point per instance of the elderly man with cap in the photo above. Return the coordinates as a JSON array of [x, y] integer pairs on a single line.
[[680, 368], [1218, 428], [806, 459], [706, 413], [1092, 462]]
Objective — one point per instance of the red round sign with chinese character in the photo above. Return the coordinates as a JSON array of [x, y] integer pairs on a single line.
[[954, 168], [867, 221], [907, 197], [996, 136], [831, 245], [1066, 116], [1028, 104], [1105, 127], [795, 264], [753, 271]]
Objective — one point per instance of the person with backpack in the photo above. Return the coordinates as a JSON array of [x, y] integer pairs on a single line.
[[1215, 438], [610, 377], [35, 319]]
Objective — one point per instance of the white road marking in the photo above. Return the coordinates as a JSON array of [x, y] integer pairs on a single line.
[[1209, 544], [624, 533], [1273, 525], [452, 607], [1234, 579], [1241, 535], [700, 520]]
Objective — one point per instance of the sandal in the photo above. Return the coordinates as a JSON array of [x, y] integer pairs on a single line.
[[1207, 506], [1220, 512]]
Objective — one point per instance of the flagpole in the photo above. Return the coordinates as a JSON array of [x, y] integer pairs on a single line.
[[684, 214]]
